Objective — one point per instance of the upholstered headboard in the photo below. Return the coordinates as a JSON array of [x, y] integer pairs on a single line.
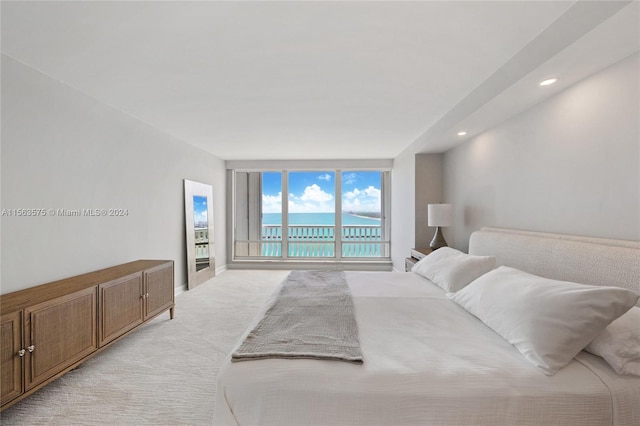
[[586, 260]]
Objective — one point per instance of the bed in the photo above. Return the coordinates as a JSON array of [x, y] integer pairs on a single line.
[[429, 361]]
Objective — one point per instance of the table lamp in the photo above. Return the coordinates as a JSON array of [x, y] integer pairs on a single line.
[[439, 215]]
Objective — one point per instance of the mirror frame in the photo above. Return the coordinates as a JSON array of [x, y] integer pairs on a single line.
[[191, 189]]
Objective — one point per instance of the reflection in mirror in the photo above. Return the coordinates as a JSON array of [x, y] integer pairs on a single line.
[[198, 205], [201, 230]]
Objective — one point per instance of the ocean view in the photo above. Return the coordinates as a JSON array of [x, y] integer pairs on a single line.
[[317, 219]]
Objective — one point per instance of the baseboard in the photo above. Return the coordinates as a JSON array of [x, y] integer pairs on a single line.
[[184, 287], [180, 289]]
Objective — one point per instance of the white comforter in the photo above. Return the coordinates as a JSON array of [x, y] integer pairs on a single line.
[[426, 362]]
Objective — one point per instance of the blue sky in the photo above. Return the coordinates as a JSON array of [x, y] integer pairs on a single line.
[[314, 192], [199, 209]]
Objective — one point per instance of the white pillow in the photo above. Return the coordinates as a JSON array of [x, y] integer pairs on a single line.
[[548, 321], [619, 343], [452, 269], [434, 256]]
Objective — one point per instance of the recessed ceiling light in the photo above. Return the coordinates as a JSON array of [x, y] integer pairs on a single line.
[[548, 82], [462, 133]]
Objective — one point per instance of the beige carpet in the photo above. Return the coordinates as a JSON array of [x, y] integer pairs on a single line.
[[165, 372]]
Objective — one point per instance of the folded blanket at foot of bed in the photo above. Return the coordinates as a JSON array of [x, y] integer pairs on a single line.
[[311, 317]]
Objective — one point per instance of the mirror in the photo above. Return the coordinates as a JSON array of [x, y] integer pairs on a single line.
[[201, 226], [198, 205]]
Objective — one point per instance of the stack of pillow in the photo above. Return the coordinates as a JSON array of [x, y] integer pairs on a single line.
[[548, 321]]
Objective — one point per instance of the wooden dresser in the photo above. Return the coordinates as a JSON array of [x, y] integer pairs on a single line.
[[48, 330]]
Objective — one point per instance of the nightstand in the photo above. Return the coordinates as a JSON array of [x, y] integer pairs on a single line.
[[416, 255]]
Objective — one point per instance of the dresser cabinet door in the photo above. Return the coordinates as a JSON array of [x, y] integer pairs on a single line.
[[159, 289], [11, 372], [121, 307], [59, 333]]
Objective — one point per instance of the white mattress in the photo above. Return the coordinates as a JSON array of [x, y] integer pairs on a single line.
[[426, 362]]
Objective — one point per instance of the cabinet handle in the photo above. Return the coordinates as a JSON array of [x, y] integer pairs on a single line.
[[21, 352], [143, 296], [31, 348], [146, 295]]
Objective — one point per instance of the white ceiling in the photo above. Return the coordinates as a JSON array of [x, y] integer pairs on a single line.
[[318, 80]]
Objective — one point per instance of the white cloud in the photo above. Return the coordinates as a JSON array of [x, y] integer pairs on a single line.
[[314, 193], [365, 200], [349, 178], [315, 200], [272, 203], [325, 176], [312, 200], [352, 195], [200, 217], [372, 191]]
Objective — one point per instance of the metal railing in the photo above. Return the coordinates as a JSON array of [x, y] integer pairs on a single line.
[[320, 241]]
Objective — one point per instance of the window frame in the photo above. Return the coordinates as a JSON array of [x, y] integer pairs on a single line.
[[381, 166]]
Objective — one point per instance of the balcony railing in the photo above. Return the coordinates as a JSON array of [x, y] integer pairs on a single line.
[[320, 241]]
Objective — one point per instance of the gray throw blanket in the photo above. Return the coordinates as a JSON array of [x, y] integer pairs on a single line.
[[312, 317]]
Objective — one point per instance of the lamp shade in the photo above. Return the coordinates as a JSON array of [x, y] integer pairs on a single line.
[[440, 214]]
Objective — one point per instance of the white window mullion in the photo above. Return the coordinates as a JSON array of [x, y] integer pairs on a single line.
[[241, 245], [285, 214], [337, 232], [385, 223]]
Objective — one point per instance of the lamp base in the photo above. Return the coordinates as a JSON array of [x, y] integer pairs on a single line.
[[438, 240]]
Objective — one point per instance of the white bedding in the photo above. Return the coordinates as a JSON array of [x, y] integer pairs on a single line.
[[426, 362]]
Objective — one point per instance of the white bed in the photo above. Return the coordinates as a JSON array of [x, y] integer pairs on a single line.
[[427, 361]]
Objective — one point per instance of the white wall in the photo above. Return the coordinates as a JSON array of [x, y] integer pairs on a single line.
[[416, 182], [62, 149], [570, 164], [428, 190], [402, 208]]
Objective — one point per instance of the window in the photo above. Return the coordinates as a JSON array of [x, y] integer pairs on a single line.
[[323, 215], [311, 214], [362, 214]]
